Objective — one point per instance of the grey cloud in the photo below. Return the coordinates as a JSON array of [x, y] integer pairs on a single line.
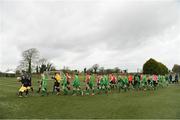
[[76, 28], [141, 21], [136, 23]]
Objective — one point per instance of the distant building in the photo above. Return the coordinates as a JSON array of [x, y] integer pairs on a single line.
[[9, 73]]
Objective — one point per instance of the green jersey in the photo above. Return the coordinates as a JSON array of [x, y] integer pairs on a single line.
[[76, 82], [92, 79], [125, 80], [44, 82], [105, 79], [137, 78], [144, 79], [102, 81], [64, 81]]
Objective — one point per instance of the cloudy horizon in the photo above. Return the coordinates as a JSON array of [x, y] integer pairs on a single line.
[[80, 33]]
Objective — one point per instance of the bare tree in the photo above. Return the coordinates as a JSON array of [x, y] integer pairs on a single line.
[[116, 70], [30, 58], [42, 61], [95, 67], [50, 66], [41, 65], [22, 66], [101, 70]]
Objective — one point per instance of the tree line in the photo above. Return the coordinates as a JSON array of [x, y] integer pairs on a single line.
[[32, 62]]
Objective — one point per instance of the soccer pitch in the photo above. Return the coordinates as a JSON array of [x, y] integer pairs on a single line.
[[162, 103]]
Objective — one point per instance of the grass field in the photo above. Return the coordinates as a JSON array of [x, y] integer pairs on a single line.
[[162, 103]]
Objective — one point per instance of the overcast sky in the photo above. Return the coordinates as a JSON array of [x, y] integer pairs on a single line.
[[80, 33]]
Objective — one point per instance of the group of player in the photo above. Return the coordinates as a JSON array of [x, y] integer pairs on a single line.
[[92, 84], [26, 85]]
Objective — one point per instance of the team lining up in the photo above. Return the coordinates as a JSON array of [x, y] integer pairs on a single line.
[[94, 84]]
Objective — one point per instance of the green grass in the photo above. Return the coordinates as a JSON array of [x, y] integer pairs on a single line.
[[162, 103]]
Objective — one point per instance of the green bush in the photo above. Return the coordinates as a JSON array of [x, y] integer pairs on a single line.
[[153, 67]]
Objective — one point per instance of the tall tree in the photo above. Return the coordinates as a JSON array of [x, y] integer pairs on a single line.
[[95, 67], [49, 66], [42, 61], [176, 68], [41, 65], [101, 70], [154, 67], [85, 70], [30, 58], [116, 70], [44, 65]]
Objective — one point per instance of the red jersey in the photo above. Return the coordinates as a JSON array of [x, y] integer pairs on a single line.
[[113, 78], [155, 78], [87, 78], [130, 77]]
